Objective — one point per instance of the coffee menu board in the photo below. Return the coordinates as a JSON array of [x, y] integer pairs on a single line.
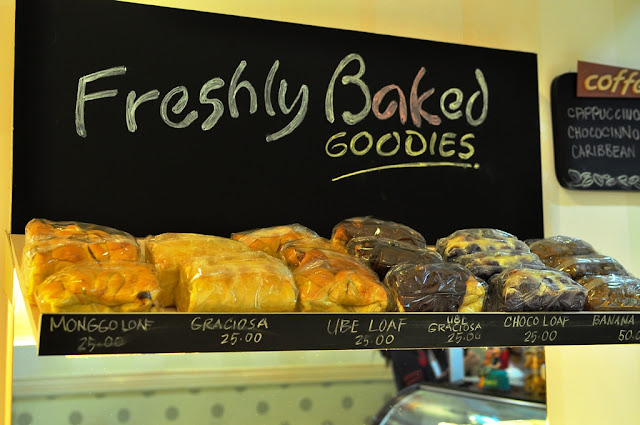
[[68, 334], [153, 120], [596, 140]]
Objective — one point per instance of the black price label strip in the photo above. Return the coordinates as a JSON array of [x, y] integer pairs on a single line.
[[65, 334]]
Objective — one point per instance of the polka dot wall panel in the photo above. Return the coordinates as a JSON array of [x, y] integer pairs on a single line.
[[304, 404]]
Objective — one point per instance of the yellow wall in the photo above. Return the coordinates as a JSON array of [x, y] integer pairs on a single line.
[[7, 11], [560, 33]]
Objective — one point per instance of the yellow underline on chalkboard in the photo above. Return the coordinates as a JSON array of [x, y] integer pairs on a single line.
[[408, 165]]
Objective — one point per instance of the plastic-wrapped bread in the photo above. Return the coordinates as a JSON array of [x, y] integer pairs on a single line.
[[578, 266], [612, 292], [535, 289], [381, 254], [51, 246], [169, 251], [355, 227], [250, 281], [486, 264], [293, 252], [270, 239], [469, 241], [441, 287], [330, 281], [559, 246], [117, 286]]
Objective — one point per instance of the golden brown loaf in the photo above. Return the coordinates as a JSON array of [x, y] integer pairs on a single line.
[[100, 287], [612, 292], [169, 251], [332, 281], [51, 246], [559, 246], [270, 239], [293, 252], [236, 282], [579, 266]]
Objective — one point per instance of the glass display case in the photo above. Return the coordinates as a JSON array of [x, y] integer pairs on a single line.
[[432, 405]]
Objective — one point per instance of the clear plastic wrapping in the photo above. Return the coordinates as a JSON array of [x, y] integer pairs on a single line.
[[486, 264], [334, 282], [293, 252], [116, 286], [250, 281], [442, 287], [39, 229], [381, 254], [612, 292], [578, 266], [469, 241], [355, 227], [535, 289], [559, 246], [270, 239], [51, 246], [169, 251]]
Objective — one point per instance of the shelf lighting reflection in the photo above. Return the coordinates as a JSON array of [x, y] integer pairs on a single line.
[[22, 332], [482, 420]]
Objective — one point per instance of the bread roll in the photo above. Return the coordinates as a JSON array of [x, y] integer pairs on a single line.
[[612, 292], [469, 241], [336, 282], [51, 246], [355, 227], [382, 254], [270, 239], [441, 287], [578, 266], [117, 286], [535, 289], [486, 264], [169, 251], [250, 281], [559, 246], [293, 252]]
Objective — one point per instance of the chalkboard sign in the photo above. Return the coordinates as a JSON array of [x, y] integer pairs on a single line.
[[152, 120], [66, 334], [596, 140]]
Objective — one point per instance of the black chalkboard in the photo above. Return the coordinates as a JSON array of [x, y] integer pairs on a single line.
[[102, 89], [65, 334], [596, 140]]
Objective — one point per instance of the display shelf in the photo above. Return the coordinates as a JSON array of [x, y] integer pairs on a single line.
[[64, 334], [173, 332]]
